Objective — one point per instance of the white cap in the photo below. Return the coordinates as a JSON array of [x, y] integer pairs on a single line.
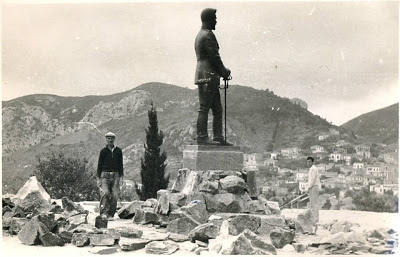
[[110, 134]]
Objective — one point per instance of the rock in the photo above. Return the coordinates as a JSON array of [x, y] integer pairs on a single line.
[[177, 199], [281, 237], [256, 207], [246, 243], [211, 202], [288, 249], [274, 207], [209, 187], [344, 238], [241, 222], [181, 226], [50, 239], [299, 247], [163, 220], [252, 183], [162, 206], [216, 220], [70, 206], [32, 192], [132, 244], [188, 246], [128, 211], [129, 232], [180, 181], [6, 220], [149, 204], [197, 210], [244, 201], [195, 196], [80, 239], [378, 233], [145, 217], [66, 236], [220, 174], [38, 225], [157, 247], [227, 203], [6, 209], [77, 220], [233, 184], [305, 222], [201, 244], [199, 250], [342, 226], [178, 238], [7, 202], [102, 239], [103, 250], [155, 236], [111, 231], [269, 223], [204, 232], [16, 225], [86, 228], [192, 183]]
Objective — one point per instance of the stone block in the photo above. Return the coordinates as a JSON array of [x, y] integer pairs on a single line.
[[204, 157]]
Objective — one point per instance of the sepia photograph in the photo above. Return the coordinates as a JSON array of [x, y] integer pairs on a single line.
[[199, 128]]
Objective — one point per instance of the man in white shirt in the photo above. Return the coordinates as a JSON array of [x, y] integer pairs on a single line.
[[313, 187]]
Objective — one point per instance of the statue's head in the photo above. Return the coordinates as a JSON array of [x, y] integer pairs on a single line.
[[209, 18]]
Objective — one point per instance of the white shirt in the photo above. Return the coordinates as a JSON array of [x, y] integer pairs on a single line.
[[313, 177]]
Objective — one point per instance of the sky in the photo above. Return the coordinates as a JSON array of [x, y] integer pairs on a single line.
[[339, 57]]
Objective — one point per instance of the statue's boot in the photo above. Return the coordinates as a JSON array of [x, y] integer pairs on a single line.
[[206, 141], [222, 142]]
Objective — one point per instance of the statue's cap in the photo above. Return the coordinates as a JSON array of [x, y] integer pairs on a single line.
[[208, 14], [110, 134]]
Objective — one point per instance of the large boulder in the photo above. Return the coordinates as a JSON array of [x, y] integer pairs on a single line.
[[6, 220], [233, 184], [281, 237], [256, 207], [145, 217], [344, 238], [192, 183], [274, 207], [150, 204], [129, 210], [228, 203], [204, 232], [162, 206], [17, 224], [197, 210], [209, 187], [305, 222], [242, 222], [177, 199], [211, 202], [269, 223], [80, 239], [33, 196], [158, 247], [195, 196], [246, 243], [37, 226], [180, 181], [182, 225], [129, 232], [340, 226], [50, 239], [102, 239]]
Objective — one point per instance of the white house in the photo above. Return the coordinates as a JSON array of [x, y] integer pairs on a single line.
[[347, 159], [381, 189], [335, 157], [317, 149], [358, 165], [322, 137]]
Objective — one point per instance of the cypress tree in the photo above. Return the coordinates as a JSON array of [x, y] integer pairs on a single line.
[[153, 164]]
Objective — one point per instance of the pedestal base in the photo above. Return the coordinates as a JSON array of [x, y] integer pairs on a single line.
[[208, 157]]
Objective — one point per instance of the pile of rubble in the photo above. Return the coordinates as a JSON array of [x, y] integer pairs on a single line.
[[204, 212]]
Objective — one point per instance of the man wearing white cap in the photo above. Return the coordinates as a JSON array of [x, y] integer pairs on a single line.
[[110, 173]]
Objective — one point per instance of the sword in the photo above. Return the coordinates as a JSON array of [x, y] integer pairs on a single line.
[[226, 87]]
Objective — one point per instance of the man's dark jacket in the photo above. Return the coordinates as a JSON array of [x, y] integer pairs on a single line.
[[110, 161], [209, 64]]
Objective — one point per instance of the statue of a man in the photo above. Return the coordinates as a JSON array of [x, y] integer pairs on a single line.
[[209, 70]]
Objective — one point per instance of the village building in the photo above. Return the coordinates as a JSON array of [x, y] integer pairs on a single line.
[[347, 159], [317, 149], [335, 157], [322, 137], [383, 188], [358, 165], [290, 152], [342, 143], [334, 132]]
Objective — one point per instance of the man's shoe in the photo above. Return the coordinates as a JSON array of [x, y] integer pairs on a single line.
[[222, 142], [103, 216], [206, 141]]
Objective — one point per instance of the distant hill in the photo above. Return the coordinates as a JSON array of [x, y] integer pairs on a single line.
[[380, 126], [258, 120]]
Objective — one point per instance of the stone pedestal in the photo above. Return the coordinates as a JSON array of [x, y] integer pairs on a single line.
[[208, 157]]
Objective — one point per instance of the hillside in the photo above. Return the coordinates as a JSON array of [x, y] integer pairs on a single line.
[[34, 125], [380, 126]]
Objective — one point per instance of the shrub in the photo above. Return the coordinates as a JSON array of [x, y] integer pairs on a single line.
[[65, 176]]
